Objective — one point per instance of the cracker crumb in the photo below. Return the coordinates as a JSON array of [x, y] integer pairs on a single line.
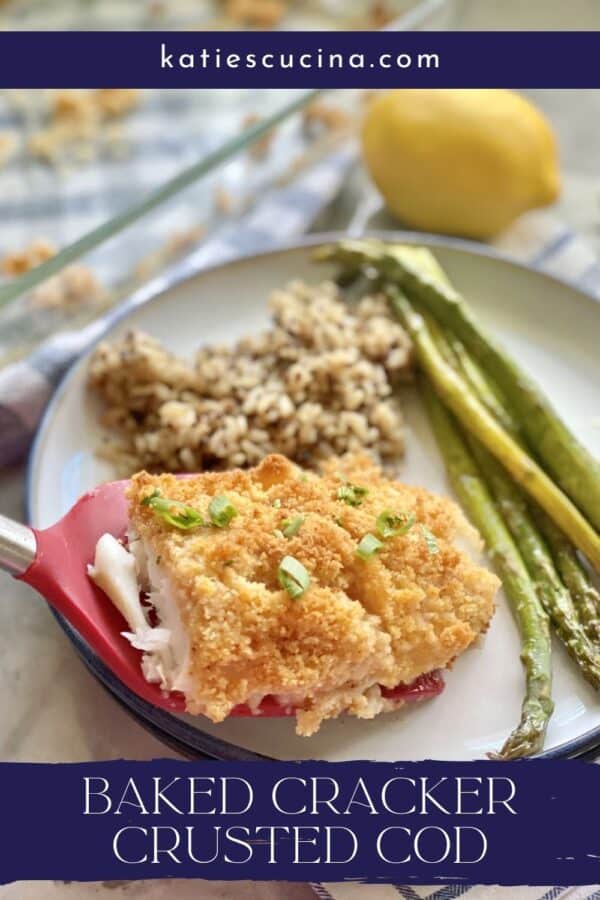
[[256, 13], [180, 241], [319, 116], [379, 14], [176, 244], [259, 149], [8, 146], [70, 289], [116, 102], [223, 200], [77, 120], [20, 261], [74, 286]]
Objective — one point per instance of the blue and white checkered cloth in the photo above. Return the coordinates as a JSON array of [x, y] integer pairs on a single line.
[[350, 891]]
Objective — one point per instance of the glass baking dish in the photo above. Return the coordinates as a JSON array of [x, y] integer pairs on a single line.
[[72, 169], [293, 15]]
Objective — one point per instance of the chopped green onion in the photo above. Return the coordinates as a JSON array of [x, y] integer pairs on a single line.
[[293, 577], [368, 546], [173, 511], [391, 525], [221, 511], [430, 540], [276, 503], [352, 494], [290, 527]]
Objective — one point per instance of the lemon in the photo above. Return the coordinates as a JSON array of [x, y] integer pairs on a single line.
[[464, 162]]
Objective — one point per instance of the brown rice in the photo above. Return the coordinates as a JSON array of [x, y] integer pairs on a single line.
[[317, 383]]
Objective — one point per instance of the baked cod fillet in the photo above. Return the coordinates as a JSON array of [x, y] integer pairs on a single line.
[[322, 590]]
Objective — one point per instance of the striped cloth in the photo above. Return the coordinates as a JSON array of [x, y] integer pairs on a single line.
[[351, 891]]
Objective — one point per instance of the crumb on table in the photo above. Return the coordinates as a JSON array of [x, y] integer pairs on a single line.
[[223, 200], [261, 146], [379, 14], [320, 116], [77, 120], [72, 287], [8, 146], [18, 262], [256, 13]]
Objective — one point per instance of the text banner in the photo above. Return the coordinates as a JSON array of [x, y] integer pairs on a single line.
[[299, 59], [532, 822]]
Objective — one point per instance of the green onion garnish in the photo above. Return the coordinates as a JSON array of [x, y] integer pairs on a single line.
[[430, 540], [293, 577], [368, 546], [290, 527], [276, 503], [221, 511], [391, 525], [352, 494], [173, 511]]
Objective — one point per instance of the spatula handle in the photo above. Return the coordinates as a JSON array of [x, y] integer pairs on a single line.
[[17, 546]]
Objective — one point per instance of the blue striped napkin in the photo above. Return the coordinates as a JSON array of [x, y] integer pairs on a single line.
[[354, 891]]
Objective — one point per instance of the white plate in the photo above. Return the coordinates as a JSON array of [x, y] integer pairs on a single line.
[[550, 327]]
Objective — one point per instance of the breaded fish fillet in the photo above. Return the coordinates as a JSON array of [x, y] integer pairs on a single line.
[[366, 615]]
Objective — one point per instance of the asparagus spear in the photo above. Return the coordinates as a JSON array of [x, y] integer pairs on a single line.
[[513, 506], [478, 421], [582, 600], [584, 594], [555, 598], [487, 392], [575, 470], [532, 621]]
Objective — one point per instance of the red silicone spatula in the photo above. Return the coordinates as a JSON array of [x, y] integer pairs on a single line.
[[54, 562]]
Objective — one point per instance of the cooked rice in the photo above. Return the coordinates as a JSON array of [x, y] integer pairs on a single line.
[[317, 383]]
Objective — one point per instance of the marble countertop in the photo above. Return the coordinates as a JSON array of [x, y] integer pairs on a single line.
[[53, 710]]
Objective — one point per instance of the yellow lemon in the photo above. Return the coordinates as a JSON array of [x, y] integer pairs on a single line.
[[463, 162]]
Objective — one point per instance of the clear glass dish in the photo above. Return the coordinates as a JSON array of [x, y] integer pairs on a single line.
[[73, 161], [293, 15]]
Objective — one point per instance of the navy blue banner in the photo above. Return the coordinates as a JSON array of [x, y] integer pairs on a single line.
[[471, 823], [299, 59]]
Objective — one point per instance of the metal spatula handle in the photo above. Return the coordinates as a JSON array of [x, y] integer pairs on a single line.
[[17, 546]]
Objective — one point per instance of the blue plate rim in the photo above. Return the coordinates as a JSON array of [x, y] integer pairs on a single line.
[[164, 725]]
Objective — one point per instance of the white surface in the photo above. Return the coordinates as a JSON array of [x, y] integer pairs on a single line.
[[550, 328]]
